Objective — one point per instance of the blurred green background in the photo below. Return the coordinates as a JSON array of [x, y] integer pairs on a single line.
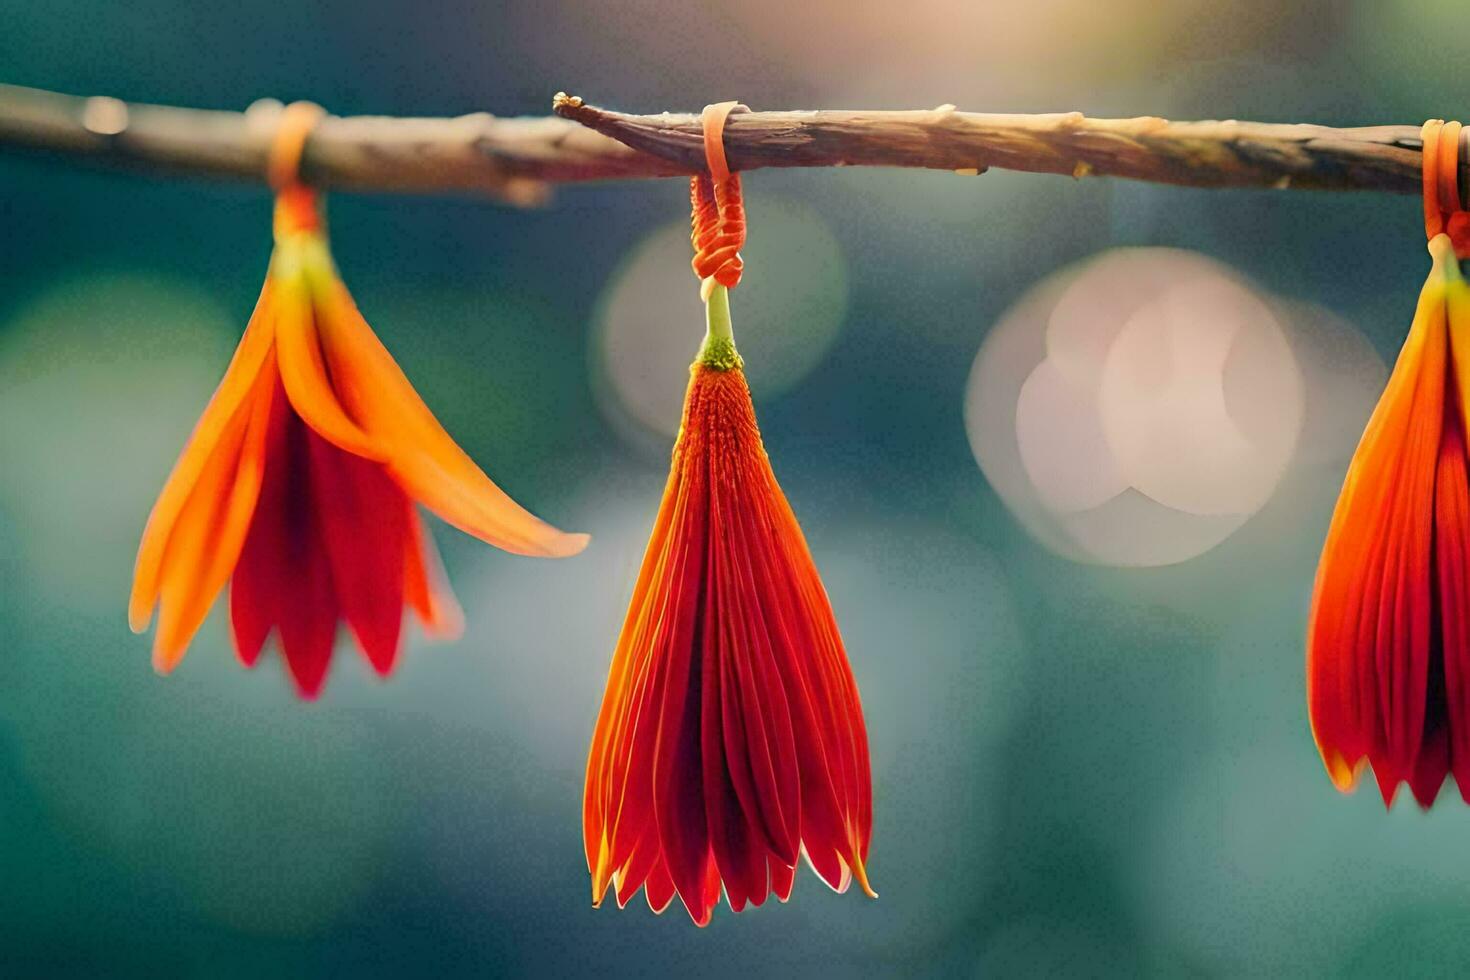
[[1079, 769]]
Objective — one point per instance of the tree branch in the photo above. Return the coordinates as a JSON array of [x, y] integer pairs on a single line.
[[1194, 154], [511, 159], [517, 159]]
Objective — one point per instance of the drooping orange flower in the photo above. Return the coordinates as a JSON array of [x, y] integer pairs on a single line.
[[1388, 644], [298, 484], [731, 738]]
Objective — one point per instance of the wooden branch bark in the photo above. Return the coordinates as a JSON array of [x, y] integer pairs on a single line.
[[1195, 154], [511, 159], [517, 159]]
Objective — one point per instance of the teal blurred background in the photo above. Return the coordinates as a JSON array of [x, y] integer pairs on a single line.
[[1079, 769]]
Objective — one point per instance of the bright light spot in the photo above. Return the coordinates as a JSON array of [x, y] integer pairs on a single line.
[[1137, 408], [1200, 399], [1134, 530], [1063, 446], [787, 315]]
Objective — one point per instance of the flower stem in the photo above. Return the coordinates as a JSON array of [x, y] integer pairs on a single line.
[[718, 351]]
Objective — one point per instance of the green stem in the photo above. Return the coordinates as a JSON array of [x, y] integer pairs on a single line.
[[718, 350]]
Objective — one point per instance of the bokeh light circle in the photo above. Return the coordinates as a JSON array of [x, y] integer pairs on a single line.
[[1200, 398], [650, 320], [1136, 408]]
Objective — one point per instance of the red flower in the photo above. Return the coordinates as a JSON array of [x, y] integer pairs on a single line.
[[731, 736], [299, 482], [1388, 645]]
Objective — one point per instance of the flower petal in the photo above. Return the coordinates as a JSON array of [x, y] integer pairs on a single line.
[[210, 531], [617, 813], [262, 579], [1369, 636], [826, 714], [677, 773], [660, 889], [284, 576], [305, 374], [239, 380], [1452, 547], [430, 465], [729, 698], [425, 586], [364, 521], [783, 877]]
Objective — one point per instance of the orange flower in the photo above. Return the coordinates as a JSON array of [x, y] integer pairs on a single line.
[[298, 484], [731, 736], [1388, 644]]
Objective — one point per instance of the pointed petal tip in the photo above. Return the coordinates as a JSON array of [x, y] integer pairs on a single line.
[[562, 544], [165, 657], [309, 689], [1344, 775], [140, 609], [448, 630], [860, 872], [601, 878], [382, 653], [575, 544], [542, 541]]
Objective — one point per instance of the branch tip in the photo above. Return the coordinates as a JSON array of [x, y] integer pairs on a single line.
[[563, 104]]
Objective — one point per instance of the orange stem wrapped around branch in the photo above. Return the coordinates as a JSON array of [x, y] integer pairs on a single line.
[[717, 217], [717, 208], [1443, 210]]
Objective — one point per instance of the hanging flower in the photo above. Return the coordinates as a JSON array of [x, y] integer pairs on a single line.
[[1388, 645], [298, 484], [731, 737]]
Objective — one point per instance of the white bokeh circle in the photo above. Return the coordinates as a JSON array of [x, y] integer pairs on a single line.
[[1137, 408], [1166, 405]]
